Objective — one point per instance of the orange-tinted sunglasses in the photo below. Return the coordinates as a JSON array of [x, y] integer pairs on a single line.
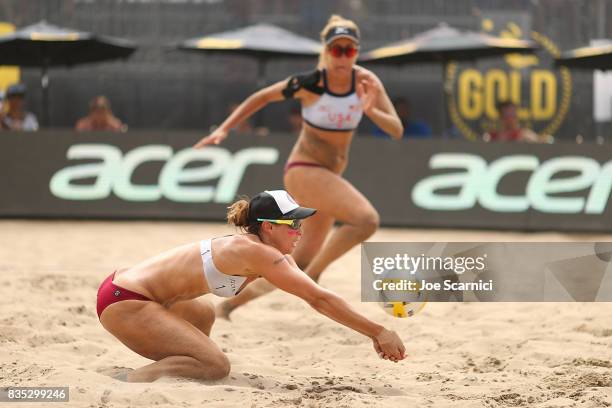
[[338, 51]]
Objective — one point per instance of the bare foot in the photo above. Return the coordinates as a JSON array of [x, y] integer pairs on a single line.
[[223, 310]]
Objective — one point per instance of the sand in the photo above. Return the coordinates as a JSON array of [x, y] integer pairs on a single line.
[[282, 352]]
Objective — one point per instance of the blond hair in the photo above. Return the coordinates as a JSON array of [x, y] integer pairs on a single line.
[[334, 21]]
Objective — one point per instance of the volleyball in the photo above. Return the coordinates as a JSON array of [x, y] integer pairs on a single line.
[[400, 301], [402, 309]]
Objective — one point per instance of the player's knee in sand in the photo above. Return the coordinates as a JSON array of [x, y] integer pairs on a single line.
[[218, 368]]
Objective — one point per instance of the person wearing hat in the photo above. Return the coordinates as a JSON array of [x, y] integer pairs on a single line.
[[334, 97], [16, 117], [153, 307]]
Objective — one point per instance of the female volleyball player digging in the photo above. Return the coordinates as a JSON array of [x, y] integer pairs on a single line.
[[334, 97], [153, 310]]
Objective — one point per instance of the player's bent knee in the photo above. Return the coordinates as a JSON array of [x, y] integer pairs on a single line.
[[368, 224], [208, 313], [205, 318], [220, 367]]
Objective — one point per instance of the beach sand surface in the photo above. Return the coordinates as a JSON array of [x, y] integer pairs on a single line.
[[282, 352]]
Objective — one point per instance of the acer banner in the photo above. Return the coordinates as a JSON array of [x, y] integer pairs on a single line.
[[423, 183], [133, 175]]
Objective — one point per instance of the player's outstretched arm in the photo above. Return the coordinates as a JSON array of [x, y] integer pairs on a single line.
[[246, 109], [284, 274]]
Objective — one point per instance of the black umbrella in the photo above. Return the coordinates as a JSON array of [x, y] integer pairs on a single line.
[[444, 43], [44, 45], [593, 57], [260, 41]]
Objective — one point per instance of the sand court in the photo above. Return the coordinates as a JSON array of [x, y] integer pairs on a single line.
[[282, 352]]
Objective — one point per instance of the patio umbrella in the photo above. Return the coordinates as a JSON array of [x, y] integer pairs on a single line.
[[445, 43], [593, 57], [44, 45], [260, 41]]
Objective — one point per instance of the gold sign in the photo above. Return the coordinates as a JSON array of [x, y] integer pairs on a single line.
[[541, 92]]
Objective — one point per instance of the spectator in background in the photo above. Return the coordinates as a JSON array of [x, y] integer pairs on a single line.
[[15, 116], [412, 128], [100, 118], [509, 128]]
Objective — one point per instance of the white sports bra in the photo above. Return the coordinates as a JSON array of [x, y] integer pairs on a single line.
[[335, 112], [218, 282]]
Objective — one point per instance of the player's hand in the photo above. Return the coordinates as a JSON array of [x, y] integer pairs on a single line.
[[389, 346], [215, 137], [368, 90]]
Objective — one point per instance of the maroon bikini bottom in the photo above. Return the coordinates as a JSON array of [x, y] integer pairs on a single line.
[[109, 293]]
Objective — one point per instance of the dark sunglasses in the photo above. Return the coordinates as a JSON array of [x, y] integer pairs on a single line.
[[293, 224], [337, 51]]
